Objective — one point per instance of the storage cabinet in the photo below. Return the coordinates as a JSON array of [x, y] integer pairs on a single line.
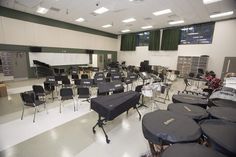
[[187, 64]]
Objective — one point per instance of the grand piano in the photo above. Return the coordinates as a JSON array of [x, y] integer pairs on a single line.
[[110, 106]]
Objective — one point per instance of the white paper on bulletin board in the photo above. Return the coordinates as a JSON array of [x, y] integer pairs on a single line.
[[109, 56], [54, 59]]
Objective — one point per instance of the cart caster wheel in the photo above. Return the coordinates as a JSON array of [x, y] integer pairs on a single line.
[[108, 141], [94, 131]]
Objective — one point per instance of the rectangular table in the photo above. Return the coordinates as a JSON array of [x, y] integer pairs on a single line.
[[110, 106], [106, 87]]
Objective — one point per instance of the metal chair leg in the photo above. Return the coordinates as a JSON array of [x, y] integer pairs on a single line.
[[35, 110], [60, 106], [22, 115]]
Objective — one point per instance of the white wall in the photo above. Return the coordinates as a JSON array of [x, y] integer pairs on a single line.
[[223, 44], [17, 32]]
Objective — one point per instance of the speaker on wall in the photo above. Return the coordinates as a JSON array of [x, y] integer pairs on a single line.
[[35, 49]]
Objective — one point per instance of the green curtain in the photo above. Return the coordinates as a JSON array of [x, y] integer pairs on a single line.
[[128, 42], [154, 40], [170, 39]]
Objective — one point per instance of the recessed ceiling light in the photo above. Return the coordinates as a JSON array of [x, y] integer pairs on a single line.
[[221, 14], [210, 1], [101, 10], [176, 22], [146, 27], [80, 19], [129, 20], [125, 30], [42, 10], [162, 12], [106, 26]]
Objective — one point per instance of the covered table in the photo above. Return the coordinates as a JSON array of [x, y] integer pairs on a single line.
[[110, 106], [222, 103], [224, 113], [190, 99], [165, 127], [190, 150], [221, 135], [195, 112]]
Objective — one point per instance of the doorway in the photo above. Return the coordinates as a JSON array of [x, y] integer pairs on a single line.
[[229, 66]]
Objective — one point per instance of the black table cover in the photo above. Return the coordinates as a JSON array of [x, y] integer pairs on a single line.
[[224, 113], [105, 87], [221, 135], [194, 112], [222, 103], [190, 99], [190, 150], [112, 106], [168, 127]]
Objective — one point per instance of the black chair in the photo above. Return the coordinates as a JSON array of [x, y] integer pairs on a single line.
[[66, 83], [115, 76], [84, 76], [128, 81], [84, 93], [99, 79], [39, 92], [28, 99], [139, 90], [49, 88], [74, 76], [66, 94], [191, 75], [187, 83], [77, 82]]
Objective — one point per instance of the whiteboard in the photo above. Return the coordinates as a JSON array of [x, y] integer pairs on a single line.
[[54, 59]]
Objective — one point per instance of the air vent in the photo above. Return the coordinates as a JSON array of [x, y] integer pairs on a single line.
[[93, 14], [119, 10], [147, 18], [55, 9]]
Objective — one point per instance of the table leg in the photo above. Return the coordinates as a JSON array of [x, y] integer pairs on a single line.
[[100, 124]]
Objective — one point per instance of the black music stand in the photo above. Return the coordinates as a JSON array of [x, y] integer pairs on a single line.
[[144, 76]]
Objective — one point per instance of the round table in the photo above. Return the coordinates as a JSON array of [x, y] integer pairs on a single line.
[[222, 103], [224, 113], [221, 135], [167, 127], [190, 99], [195, 112], [190, 150]]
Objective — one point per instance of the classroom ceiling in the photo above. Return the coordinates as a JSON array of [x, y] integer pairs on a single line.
[[191, 11]]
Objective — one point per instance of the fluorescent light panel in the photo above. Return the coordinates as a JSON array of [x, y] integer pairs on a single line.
[[176, 22], [210, 1], [106, 26], [146, 27], [162, 12], [101, 10], [125, 30], [129, 20], [80, 19], [42, 10], [222, 14]]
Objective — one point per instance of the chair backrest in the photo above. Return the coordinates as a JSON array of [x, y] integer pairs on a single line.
[[75, 76], [66, 81], [28, 98], [115, 76], [77, 82], [48, 86], [99, 74], [38, 89], [191, 74], [98, 79], [64, 92], [138, 88], [83, 91], [84, 76]]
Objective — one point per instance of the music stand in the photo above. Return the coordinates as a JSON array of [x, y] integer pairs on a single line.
[[144, 76]]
